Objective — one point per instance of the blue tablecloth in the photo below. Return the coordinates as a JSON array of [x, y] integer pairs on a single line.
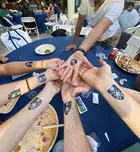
[[40, 19], [99, 118]]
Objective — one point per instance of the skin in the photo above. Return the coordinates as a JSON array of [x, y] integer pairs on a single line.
[[6, 89], [128, 108], [15, 68], [74, 136], [87, 44], [24, 119], [3, 59]]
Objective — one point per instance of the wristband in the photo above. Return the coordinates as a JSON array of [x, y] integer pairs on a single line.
[[28, 85], [81, 49]]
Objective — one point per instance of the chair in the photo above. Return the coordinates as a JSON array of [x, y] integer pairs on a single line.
[[15, 39], [63, 19], [70, 29], [30, 20], [85, 31], [131, 30], [13, 27], [53, 20]]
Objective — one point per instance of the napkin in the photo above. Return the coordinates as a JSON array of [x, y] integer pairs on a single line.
[[114, 76], [95, 98]]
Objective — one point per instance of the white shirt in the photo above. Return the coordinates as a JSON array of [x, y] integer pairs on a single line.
[[110, 9], [135, 15]]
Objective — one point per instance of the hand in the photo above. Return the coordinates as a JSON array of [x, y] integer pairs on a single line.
[[51, 64], [73, 69], [79, 86], [3, 59], [66, 92], [54, 86], [96, 76], [52, 75], [72, 46]]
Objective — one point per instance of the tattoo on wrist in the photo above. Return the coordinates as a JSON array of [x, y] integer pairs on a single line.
[[67, 107], [35, 104], [116, 92], [29, 64], [42, 78], [14, 94]]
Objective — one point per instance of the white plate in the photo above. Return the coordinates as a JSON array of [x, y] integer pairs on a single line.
[[42, 48]]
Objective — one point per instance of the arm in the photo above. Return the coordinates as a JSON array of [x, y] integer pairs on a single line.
[[74, 136], [20, 123], [14, 68], [96, 33], [14, 90], [134, 94]]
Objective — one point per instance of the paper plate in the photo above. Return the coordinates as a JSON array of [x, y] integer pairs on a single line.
[[6, 108], [127, 64], [45, 49], [35, 141]]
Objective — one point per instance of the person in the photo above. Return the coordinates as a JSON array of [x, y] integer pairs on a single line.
[[56, 9], [16, 89], [4, 12], [24, 7], [26, 117], [124, 101], [102, 16], [129, 18], [3, 59]]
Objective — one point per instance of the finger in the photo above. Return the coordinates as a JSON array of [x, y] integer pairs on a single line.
[[60, 72], [67, 77], [60, 63], [81, 73], [65, 73], [76, 70], [88, 63], [62, 66], [102, 62], [83, 68], [68, 48]]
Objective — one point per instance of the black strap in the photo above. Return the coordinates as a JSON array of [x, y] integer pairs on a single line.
[[10, 37], [21, 36]]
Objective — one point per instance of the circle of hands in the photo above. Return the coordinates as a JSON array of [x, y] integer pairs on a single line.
[[78, 78]]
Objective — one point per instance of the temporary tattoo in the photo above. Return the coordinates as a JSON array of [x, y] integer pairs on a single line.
[[29, 64], [116, 92], [73, 62], [35, 104], [42, 78], [14, 94], [67, 107]]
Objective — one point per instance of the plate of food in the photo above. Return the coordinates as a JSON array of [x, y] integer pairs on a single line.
[[45, 49], [6, 108], [36, 140], [127, 64]]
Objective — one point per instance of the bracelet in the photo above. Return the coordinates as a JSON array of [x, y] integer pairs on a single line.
[[81, 49], [42, 63], [28, 85]]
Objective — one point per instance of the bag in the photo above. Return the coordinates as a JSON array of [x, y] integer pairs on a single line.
[[59, 32]]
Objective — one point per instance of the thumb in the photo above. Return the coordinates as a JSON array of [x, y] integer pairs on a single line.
[[88, 63], [77, 90], [102, 62]]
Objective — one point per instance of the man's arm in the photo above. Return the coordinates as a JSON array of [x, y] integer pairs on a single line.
[[96, 33], [14, 90], [79, 25], [15, 68], [20, 123], [74, 136]]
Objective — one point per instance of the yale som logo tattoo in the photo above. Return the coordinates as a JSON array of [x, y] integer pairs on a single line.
[[29, 64], [67, 107], [14, 94], [42, 78], [35, 104]]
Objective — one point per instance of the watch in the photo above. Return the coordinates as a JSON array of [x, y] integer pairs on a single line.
[[81, 49]]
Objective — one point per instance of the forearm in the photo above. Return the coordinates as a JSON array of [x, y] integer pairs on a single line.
[[126, 107], [134, 94], [15, 68], [78, 27], [95, 34], [10, 92], [74, 136], [20, 123]]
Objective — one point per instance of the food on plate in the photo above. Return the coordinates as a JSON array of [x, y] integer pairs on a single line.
[[47, 51], [128, 64]]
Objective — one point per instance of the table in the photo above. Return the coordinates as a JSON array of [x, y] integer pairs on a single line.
[[40, 20], [99, 118]]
